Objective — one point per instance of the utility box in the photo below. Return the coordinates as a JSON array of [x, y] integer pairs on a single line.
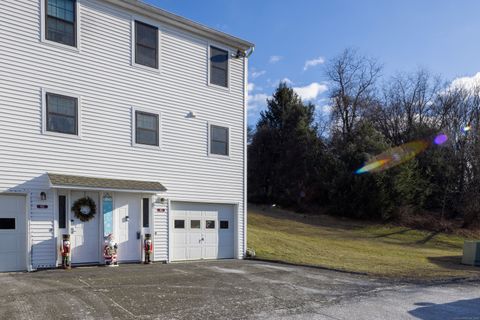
[[471, 253]]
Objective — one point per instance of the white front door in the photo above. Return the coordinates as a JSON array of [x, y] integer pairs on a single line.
[[202, 231], [12, 233], [85, 236], [127, 221]]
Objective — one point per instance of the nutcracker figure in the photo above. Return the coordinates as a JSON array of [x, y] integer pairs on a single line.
[[65, 251], [110, 251], [148, 247]]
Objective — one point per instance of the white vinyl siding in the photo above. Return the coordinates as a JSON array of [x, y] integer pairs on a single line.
[[102, 74], [42, 241], [160, 235]]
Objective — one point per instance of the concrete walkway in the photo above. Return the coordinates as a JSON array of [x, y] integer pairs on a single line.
[[227, 290]]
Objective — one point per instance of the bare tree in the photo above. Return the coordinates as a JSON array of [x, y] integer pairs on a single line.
[[407, 102], [352, 79]]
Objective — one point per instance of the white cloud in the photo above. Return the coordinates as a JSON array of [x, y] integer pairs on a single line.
[[314, 62], [255, 101], [312, 91], [468, 83], [287, 81], [275, 59], [250, 87], [255, 74]]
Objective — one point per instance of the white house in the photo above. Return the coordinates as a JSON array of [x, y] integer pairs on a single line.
[[139, 109]]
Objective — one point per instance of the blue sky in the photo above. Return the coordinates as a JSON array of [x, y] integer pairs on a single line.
[[439, 35]]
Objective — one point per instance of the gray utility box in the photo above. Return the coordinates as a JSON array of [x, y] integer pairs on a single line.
[[471, 253]]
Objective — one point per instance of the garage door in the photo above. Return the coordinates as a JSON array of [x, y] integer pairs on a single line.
[[12, 233], [202, 231]]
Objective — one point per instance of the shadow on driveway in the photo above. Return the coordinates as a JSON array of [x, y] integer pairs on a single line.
[[458, 310]]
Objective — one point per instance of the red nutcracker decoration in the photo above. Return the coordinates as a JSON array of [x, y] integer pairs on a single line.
[[65, 251], [110, 251], [148, 247]]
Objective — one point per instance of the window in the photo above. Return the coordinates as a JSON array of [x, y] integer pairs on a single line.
[[62, 114], [7, 223], [179, 224], [219, 140], [146, 128], [146, 45], [210, 224], [60, 21], [194, 224], [218, 67], [62, 212], [224, 224], [146, 211]]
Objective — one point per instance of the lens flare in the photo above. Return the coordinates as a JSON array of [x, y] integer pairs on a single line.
[[394, 157], [440, 139], [372, 166]]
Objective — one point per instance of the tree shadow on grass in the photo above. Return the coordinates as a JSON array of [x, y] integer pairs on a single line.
[[393, 233], [460, 309], [428, 237], [454, 263]]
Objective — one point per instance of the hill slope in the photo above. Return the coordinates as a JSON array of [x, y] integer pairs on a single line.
[[380, 250]]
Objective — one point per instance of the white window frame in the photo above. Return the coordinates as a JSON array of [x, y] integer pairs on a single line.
[[44, 114], [229, 53], [214, 155], [134, 128], [43, 28], [159, 42]]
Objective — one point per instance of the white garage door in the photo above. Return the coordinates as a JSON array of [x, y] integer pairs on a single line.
[[12, 233], [202, 231]]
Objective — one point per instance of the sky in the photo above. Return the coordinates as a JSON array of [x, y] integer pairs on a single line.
[[294, 39]]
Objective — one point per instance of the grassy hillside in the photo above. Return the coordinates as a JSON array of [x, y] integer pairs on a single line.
[[380, 250]]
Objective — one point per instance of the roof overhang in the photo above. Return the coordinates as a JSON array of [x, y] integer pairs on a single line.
[[182, 23], [62, 181]]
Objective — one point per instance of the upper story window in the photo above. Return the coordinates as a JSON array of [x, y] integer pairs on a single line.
[[61, 21], [146, 128], [146, 45], [61, 114], [219, 140], [218, 67]]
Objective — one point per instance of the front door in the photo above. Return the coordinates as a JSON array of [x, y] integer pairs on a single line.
[[85, 237], [127, 220]]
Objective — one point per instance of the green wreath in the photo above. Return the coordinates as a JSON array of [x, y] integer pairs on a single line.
[[84, 209]]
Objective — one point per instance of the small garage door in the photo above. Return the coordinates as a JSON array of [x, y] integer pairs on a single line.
[[202, 231], [12, 233]]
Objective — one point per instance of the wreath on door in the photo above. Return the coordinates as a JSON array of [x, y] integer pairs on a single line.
[[84, 209]]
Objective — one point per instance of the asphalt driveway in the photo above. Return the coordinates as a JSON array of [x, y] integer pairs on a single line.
[[227, 290]]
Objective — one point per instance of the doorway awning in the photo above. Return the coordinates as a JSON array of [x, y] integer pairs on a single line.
[[62, 181]]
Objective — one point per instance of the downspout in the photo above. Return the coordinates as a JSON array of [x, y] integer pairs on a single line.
[[247, 54]]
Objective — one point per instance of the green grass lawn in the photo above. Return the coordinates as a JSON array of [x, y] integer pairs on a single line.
[[375, 249]]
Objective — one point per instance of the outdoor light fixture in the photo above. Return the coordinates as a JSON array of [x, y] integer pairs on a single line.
[[43, 196]]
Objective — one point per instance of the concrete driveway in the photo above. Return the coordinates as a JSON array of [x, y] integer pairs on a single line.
[[227, 290]]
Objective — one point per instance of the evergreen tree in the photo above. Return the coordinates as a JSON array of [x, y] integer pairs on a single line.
[[284, 150]]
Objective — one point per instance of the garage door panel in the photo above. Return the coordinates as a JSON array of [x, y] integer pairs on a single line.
[[180, 254], [181, 239], [194, 253]]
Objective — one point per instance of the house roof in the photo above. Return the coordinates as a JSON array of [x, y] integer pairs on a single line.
[[182, 23], [62, 181]]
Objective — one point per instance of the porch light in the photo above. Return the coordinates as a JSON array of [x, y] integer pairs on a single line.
[[43, 196]]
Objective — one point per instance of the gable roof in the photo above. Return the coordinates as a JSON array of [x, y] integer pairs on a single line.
[[182, 23], [63, 181]]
